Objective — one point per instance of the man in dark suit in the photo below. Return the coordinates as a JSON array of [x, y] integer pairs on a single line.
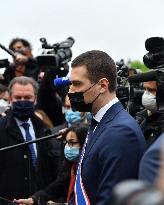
[[116, 145], [26, 169], [151, 161]]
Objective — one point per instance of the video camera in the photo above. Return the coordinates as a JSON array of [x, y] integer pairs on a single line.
[[122, 91], [56, 56], [4, 63], [129, 95], [154, 59]]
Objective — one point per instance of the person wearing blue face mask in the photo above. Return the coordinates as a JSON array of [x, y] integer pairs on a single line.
[[75, 116], [60, 189], [72, 117]]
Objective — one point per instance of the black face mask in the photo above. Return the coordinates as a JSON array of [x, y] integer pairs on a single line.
[[23, 110], [77, 101]]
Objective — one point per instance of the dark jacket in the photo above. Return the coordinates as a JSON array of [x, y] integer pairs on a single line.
[[31, 70], [152, 126], [18, 178], [49, 101], [151, 161], [58, 189]]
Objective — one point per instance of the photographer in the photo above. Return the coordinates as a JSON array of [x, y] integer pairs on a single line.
[[4, 100], [54, 64], [23, 61], [49, 100], [150, 119], [154, 59]]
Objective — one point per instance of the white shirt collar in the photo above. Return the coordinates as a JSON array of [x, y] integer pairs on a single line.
[[19, 122], [103, 110]]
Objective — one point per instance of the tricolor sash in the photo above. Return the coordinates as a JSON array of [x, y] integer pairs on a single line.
[[81, 197]]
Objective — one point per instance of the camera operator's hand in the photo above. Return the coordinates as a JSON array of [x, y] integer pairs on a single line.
[[20, 59], [1, 77], [28, 201]]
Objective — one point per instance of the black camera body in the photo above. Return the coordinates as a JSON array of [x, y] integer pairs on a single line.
[[4, 63], [56, 56], [155, 57], [122, 90], [130, 95]]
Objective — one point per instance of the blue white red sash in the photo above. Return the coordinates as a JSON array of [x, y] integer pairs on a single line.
[[81, 197]]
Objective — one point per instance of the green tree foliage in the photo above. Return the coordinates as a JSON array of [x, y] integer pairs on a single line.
[[137, 64]]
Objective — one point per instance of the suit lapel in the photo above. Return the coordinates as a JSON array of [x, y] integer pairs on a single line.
[[109, 116], [13, 129]]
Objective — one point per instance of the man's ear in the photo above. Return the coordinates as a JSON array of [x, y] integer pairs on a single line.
[[104, 83]]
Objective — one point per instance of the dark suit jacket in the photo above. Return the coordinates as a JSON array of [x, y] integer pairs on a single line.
[[151, 162], [112, 155], [18, 178]]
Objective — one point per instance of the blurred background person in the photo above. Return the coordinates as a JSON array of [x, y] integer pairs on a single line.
[[71, 117], [135, 192], [4, 100], [49, 100], [75, 116], [24, 64], [43, 116], [151, 161]]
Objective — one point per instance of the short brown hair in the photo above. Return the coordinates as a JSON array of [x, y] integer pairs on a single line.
[[99, 65], [22, 40]]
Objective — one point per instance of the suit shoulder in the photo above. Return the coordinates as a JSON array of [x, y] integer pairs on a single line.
[[155, 148]]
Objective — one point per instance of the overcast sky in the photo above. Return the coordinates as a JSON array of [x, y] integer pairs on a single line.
[[119, 27]]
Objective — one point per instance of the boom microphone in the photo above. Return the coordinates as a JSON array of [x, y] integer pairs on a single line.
[[63, 81], [8, 51], [54, 135], [144, 77]]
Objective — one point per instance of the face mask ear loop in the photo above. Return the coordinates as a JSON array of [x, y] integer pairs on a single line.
[[90, 87]]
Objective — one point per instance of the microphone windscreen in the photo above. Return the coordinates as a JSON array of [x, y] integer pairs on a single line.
[[62, 81], [153, 43]]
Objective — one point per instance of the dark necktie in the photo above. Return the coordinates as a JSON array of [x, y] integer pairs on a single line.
[[92, 127], [29, 138], [93, 124]]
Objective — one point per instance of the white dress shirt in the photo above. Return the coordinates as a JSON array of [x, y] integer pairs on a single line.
[[104, 109], [31, 130]]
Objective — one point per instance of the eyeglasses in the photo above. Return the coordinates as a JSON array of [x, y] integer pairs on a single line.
[[70, 143]]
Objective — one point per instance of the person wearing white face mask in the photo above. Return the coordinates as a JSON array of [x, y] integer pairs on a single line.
[[4, 100], [149, 96], [150, 119]]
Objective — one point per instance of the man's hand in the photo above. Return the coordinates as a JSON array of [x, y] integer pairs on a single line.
[[20, 59], [28, 201]]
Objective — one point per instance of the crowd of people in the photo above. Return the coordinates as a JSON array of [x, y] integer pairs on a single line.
[[97, 144]]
